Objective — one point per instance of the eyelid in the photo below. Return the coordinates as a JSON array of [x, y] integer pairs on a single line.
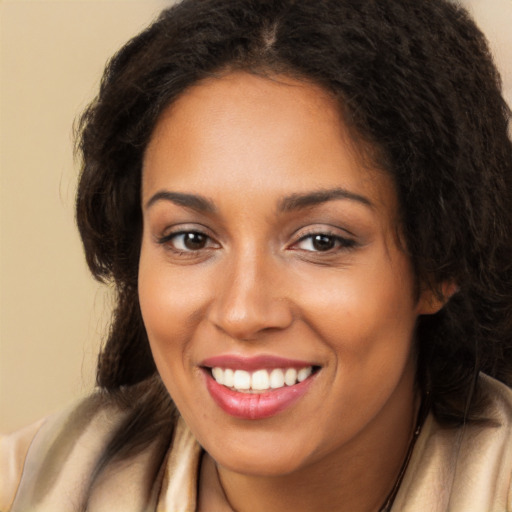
[[170, 230]]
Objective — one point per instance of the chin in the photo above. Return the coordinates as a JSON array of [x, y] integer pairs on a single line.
[[263, 454], [262, 465]]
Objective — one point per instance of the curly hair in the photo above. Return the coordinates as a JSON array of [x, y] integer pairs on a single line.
[[416, 86]]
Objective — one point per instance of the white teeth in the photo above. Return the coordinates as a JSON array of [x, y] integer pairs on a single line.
[[304, 373], [277, 378], [229, 378], [260, 380], [290, 377], [242, 380], [218, 375]]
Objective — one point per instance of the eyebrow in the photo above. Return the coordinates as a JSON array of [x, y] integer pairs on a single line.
[[307, 200], [287, 204], [192, 201]]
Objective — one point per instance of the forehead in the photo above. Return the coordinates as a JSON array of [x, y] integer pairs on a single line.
[[257, 135]]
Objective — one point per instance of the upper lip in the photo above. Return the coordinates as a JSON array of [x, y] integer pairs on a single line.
[[237, 362]]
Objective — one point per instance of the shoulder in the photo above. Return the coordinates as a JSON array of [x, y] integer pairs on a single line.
[[105, 452], [483, 469], [493, 435], [500, 400], [56, 448], [13, 450], [466, 468]]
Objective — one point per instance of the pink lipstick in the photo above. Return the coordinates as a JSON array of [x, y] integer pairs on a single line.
[[257, 387]]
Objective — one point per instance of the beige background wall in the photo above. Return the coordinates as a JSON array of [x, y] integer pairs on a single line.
[[52, 314]]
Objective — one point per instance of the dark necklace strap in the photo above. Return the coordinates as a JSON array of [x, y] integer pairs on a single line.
[[422, 416]]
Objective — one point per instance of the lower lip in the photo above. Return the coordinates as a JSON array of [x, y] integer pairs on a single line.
[[256, 406]]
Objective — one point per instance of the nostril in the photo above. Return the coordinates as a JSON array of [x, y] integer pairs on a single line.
[[247, 318]]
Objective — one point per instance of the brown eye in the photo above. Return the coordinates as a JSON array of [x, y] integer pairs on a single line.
[[187, 241], [194, 241], [323, 242]]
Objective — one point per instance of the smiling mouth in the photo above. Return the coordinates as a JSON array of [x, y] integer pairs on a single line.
[[260, 380], [258, 387]]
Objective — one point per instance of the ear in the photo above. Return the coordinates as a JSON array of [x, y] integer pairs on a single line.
[[432, 301]]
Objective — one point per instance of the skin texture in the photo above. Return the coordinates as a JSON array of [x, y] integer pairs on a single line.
[[259, 286]]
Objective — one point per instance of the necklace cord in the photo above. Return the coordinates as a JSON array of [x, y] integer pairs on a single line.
[[422, 416]]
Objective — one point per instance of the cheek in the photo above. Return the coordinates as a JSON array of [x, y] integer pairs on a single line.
[[166, 314], [161, 308], [172, 301], [367, 319], [360, 306], [169, 295]]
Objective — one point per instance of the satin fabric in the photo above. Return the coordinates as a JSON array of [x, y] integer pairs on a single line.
[[466, 469]]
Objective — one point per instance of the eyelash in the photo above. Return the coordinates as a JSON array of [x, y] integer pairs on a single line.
[[338, 243], [167, 240]]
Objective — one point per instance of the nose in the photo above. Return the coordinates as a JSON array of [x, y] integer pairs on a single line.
[[251, 299]]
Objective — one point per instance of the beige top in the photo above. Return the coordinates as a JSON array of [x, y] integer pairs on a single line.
[[466, 469]]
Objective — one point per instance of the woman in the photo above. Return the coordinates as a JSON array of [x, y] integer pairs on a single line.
[[304, 207]]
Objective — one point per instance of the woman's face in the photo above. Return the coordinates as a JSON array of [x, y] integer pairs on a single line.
[[279, 308]]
